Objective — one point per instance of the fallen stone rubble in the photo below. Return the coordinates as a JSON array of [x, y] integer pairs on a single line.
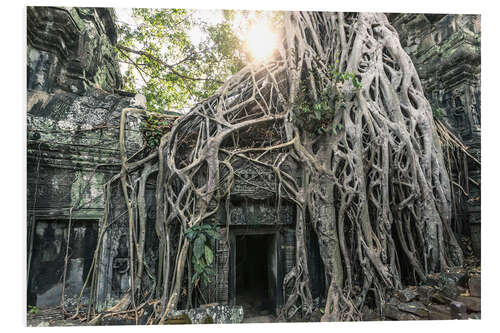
[[209, 314], [205, 314], [453, 294]]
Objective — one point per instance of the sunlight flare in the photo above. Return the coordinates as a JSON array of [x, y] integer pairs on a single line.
[[261, 41]]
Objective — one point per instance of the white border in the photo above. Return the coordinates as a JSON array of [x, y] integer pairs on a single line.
[[13, 161]]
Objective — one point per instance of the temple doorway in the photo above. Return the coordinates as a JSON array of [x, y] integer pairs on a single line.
[[255, 273]]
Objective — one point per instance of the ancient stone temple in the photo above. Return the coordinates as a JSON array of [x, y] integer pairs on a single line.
[[74, 108]]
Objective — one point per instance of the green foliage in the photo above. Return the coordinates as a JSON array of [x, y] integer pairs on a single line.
[[153, 129], [171, 69], [203, 256], [33, 309], [317, 115], [343, 77], [436, 111]]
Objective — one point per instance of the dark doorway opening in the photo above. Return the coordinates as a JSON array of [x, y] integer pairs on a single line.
[[256, 273], [47, 261]]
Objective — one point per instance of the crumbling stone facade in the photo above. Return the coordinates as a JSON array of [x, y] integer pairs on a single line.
[[72, 141]]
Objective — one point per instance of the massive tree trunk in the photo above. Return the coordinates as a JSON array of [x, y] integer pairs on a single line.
[[343, 100]]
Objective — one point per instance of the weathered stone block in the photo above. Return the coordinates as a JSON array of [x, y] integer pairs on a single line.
[[449, 282], [424, 294], [178, 318], [455, 275], [416, 308], [440, 298], [472, 303], [408, 294], [139, 101], [458, 310], [475, 286], [439, 312], [391, 311]]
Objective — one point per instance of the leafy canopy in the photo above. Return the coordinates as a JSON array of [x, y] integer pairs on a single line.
[[165, 63]]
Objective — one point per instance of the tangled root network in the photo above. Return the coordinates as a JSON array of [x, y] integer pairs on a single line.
[[374, 189]]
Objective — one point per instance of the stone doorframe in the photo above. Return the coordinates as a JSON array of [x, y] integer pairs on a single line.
[[264, 231]]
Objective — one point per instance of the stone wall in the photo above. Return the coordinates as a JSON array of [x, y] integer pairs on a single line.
[[73, 118], [446, 51], [72, 49]]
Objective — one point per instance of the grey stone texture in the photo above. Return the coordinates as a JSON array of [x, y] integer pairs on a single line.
[[72, 48]]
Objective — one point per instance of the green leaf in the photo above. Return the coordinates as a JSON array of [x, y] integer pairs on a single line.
[[190, 234], [195, 276], [197, 264], [356, 82], [212, 233], [209, 256], [202, 236], [199, 246]]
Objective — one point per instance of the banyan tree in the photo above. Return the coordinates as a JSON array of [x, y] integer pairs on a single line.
[[342, 101]]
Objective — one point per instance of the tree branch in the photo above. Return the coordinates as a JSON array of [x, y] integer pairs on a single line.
[[170, 67]]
